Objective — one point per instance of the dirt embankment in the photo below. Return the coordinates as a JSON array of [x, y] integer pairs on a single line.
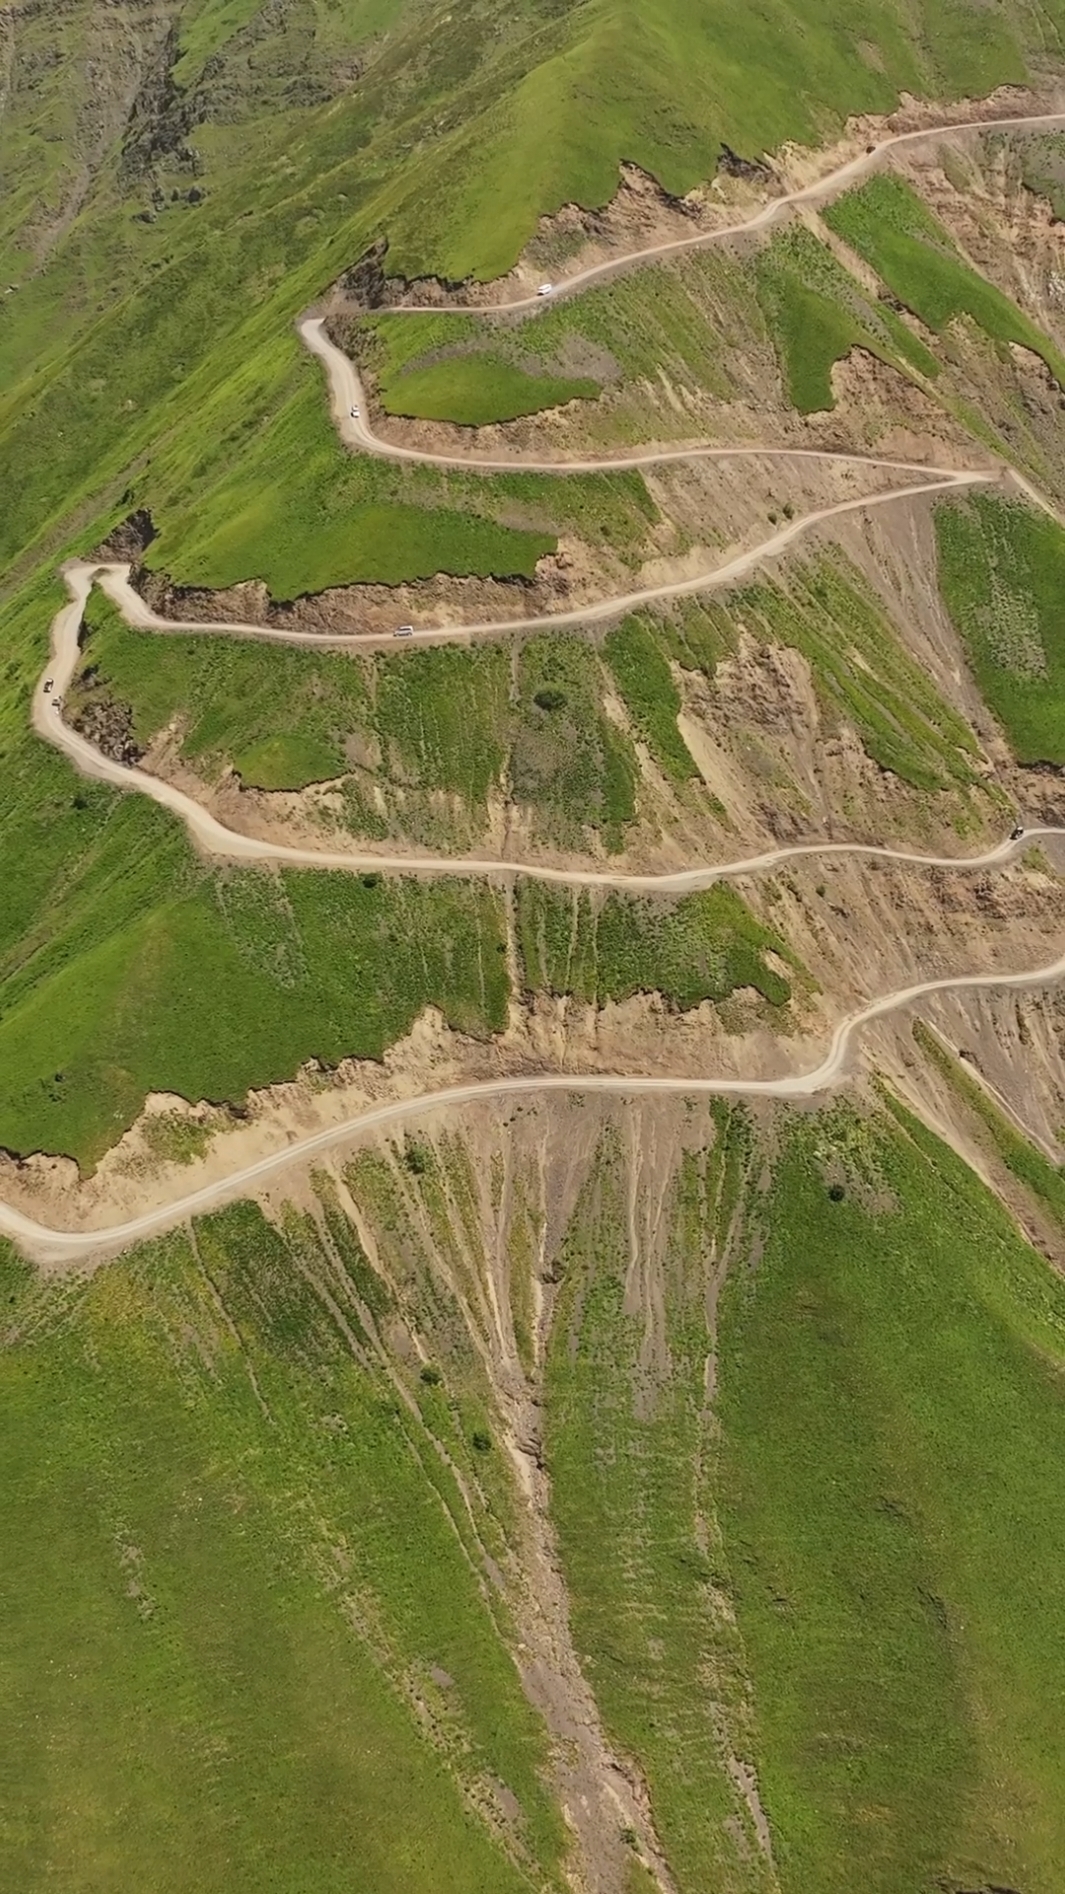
[[638, 216], [862, 928], [708, 512]]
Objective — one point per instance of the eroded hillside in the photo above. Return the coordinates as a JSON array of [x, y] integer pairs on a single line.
[[538, 1144]]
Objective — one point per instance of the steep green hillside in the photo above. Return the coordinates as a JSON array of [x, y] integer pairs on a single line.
[[844, 1569], [802, 1414], [1002, 568], [571, 1490], [246, 1640], [209, 169]]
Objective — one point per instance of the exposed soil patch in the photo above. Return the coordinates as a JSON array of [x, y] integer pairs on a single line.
[[362, 609], [109, 725], [129, 540]]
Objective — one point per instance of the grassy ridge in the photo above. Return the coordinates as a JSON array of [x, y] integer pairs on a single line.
[[661, 88], [1001, 573], [217, 1613]]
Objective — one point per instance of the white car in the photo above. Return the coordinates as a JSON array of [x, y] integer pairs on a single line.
[[546, 289], [403, 631], [47, 685], [354, 414]]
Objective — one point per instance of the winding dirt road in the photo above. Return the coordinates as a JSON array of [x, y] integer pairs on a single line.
[[347, 392], [215, 838], [72, 1245], [833, 182]]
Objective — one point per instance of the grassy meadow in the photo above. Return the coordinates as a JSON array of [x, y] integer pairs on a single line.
[[244, 1639]]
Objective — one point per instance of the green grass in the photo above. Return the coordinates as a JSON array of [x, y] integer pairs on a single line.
[[652, 699], [229, 516], [576, 770], [346, 521], [629, 1451], [287, 762], [451, 368], [701, 947], [415, 723], [421, 738], [886, 223], [474, 391], [1001, 573], [176, 1139], [236, 1562], [128, 966], [846, 1570], [428, 719], [818, 313], [892, 1420]]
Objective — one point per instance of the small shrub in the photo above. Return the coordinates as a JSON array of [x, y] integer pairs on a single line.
[[431, 1376], [550, 699], [482, 1442], [836, 1193]]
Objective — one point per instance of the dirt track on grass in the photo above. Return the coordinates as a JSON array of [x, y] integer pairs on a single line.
[[70, 1245], [817, 192], [214, 837]]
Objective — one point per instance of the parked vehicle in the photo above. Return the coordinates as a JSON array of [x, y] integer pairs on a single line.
[[47, 686], [1015, 834], [403, 631], [354, 414], [545, 289]]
